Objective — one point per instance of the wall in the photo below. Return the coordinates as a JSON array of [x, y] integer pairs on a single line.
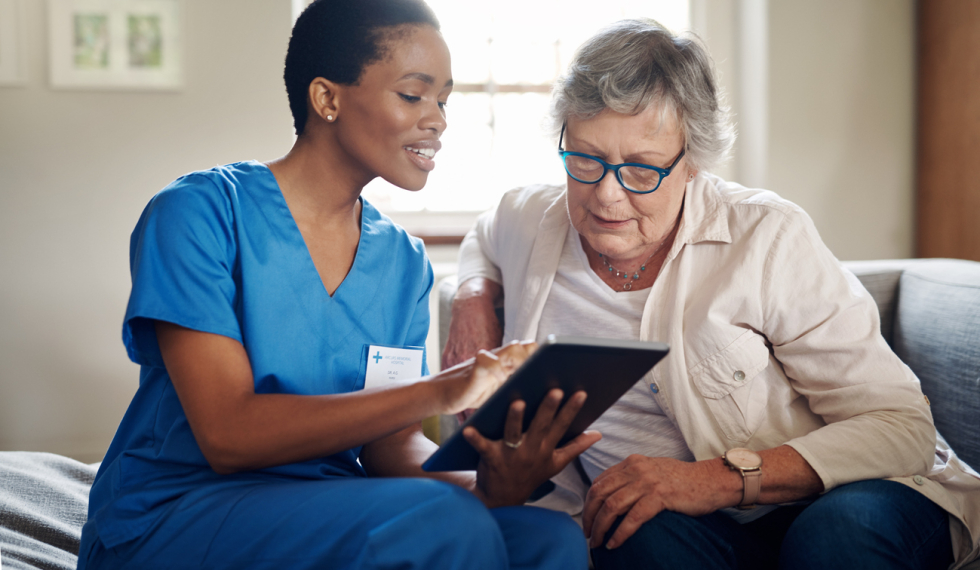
[[76, 169], [841, 120]]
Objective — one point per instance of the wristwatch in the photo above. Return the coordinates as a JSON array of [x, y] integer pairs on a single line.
[[749, 464]]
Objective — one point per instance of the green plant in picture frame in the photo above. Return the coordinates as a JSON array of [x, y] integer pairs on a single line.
[[145, 41], [91, 40]]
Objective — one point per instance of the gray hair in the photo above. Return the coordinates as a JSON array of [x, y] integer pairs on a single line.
[[633, 64]]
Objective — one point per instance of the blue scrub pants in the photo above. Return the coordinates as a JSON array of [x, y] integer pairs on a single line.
[[346, 523], [869, 525]]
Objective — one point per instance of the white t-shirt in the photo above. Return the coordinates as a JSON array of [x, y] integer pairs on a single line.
[[580, 303]]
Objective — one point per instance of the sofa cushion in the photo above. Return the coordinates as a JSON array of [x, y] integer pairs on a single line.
[[937, 333], [43, 505]]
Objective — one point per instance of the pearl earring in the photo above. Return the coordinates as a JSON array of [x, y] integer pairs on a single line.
[[329, 117]]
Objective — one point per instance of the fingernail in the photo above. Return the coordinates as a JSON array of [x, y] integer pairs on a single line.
[[610, 545]]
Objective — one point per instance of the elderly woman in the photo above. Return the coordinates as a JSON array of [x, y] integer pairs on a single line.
[[781, 431]]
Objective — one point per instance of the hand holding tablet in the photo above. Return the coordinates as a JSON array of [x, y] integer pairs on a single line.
[[512, 468], [604, 368]]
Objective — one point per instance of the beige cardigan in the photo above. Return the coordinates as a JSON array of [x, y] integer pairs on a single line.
[[749, 287]]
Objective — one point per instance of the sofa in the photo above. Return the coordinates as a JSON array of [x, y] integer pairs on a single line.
[[930, 315]]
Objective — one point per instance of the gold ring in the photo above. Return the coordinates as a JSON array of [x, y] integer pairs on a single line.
[[514, 445]]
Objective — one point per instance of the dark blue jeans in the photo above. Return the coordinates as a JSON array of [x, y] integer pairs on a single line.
[[868, 525]]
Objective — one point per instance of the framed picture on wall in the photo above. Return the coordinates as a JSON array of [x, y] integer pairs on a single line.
[[115, 44], [13, 58]]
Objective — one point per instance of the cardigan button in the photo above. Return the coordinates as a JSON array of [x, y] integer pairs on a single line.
[[919, 480]]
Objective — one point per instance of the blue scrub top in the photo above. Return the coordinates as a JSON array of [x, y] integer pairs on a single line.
[[218, 251]]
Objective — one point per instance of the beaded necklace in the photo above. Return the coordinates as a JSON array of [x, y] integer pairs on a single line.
[[643, 266]]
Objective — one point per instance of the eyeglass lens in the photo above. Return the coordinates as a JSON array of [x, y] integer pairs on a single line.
[[590, 171]]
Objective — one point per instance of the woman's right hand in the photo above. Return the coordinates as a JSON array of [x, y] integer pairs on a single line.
[[470, 383]]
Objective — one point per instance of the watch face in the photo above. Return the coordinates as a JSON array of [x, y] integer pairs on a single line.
[[744, 458]]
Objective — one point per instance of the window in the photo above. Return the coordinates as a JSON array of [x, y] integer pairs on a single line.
[[506, 55]]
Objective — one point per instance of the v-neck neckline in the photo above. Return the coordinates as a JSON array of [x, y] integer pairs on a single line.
[[291, 224]]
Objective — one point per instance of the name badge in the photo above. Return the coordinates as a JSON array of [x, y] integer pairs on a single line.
[[387, 364]]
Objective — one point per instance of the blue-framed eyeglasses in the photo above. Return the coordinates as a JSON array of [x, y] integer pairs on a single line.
[[636, 177]]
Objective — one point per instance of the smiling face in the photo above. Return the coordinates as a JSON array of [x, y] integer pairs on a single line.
[[390, 122], [623, 226]]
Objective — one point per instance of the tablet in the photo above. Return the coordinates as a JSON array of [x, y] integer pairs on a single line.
[[604, 368]]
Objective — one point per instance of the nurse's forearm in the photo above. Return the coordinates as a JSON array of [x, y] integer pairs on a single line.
[[402, 454], [238, 429], [262, 430]]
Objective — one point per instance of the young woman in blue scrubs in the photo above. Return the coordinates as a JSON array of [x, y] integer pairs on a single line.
[[251, 441]]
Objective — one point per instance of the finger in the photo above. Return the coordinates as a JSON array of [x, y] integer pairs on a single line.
[[526, 348], [490, 363], [641, 512], [482, 445], [486, 358], [564, 418], [612, 471], [545, 414], [514, 427], [616, 504], [565, 454], [511, 356], [529, 346], [596, 497]]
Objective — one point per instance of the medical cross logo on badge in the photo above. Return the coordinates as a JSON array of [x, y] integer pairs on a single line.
[[389, 364]]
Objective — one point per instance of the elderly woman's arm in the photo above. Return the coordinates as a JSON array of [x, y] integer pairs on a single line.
[[825, 332], [474, 324], [640, 487]]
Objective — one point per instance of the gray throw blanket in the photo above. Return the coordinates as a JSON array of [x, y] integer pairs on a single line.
[[43, 505]]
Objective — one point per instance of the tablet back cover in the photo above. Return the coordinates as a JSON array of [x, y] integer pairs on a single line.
[[604, 368]]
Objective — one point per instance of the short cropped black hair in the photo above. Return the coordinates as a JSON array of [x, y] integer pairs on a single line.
[[337, 39]]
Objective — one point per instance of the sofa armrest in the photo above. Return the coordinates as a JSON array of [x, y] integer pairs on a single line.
[[43, 505], [881, 279]]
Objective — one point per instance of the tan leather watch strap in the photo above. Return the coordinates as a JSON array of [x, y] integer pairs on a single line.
[[753, 485], [749, 465]]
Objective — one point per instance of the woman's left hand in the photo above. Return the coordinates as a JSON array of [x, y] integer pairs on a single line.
[[640, 487], [509, 474]]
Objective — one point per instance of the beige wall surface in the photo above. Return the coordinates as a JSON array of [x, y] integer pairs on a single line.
[[841, 120], [76, 170], [77, 167]]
